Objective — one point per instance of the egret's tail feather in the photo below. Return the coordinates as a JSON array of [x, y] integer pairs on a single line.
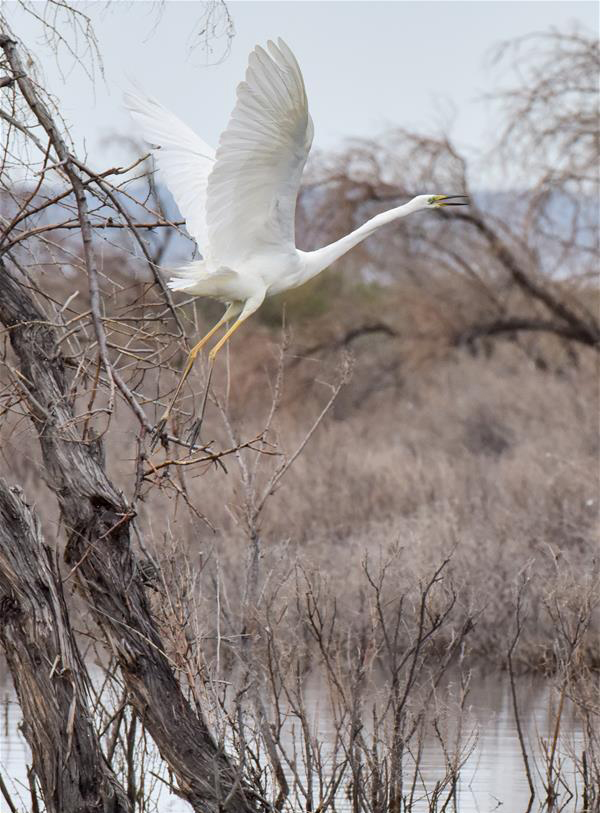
[[200, 280], [176, 284], [186, 276], [188, 271]]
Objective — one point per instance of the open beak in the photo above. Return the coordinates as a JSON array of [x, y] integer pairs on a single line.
[[463, 202]]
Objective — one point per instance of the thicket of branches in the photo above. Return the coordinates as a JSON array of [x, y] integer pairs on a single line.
[[204, 660]]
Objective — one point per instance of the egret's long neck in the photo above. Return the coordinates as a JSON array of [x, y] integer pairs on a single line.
[[316, 261]]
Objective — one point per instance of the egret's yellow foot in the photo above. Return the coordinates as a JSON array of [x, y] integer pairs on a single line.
[[197, 425], [158, 431], [194, 434]]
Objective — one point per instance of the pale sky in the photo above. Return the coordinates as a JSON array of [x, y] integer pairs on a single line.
[[368, 66]]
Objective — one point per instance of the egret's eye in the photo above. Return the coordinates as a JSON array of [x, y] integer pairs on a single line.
[[432, 199]]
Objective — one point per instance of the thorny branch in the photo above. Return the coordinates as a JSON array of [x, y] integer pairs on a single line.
[[43, 116]]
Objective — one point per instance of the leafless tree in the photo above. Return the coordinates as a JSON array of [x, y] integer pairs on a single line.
[[203, 676]]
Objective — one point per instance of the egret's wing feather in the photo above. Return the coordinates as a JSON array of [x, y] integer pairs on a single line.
[[183, 159], [253, 186]]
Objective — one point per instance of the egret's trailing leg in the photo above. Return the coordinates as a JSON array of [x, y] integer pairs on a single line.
[[250, 306], [197, 425], [232, 310]]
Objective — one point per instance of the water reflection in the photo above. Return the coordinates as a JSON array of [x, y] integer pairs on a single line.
[[492, 777]]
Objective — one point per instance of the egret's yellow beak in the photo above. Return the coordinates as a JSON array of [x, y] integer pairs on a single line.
[[441, 200]]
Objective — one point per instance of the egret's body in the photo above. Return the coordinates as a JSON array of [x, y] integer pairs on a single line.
[[239, 203]]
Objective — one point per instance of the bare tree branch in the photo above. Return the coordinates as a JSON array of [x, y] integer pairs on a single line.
[[98, 547]]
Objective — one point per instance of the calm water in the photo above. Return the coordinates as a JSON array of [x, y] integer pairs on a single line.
[[492, 778]]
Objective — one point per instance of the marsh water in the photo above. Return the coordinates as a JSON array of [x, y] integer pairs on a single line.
[[492, 777]]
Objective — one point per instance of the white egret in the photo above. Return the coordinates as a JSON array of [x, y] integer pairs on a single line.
[[239, 202]]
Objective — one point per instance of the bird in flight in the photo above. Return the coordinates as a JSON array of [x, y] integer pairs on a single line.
[[239, 202]]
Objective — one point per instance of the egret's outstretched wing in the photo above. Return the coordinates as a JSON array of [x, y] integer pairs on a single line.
[[184, 160], [253, 187]]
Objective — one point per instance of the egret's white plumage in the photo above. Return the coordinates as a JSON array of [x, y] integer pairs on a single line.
[[239, 203], [184, 160]]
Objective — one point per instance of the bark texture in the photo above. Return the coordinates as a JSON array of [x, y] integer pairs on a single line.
[[97, 518], [49, 677]]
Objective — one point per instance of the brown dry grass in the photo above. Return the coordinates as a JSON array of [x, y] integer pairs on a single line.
[[489, 453]]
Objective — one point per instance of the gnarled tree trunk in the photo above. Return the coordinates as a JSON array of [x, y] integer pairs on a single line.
[[49, 676], [98, 548]]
